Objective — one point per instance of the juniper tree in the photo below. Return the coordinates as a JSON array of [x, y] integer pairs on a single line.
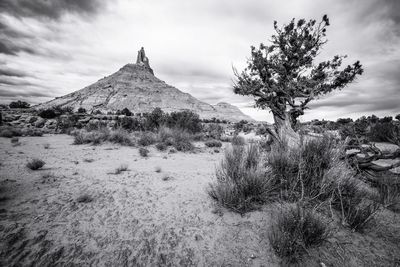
[[284, 77]]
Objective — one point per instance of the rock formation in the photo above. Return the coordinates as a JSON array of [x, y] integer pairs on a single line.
[[142, 60], [135, 87]]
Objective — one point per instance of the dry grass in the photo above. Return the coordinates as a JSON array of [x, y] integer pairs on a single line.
[[121, 169], [294, 231], [242, 182]]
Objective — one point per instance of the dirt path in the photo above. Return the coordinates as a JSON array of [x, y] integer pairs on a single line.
[[136, 218]]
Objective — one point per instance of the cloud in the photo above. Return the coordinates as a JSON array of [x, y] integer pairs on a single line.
[[49, 9], [64, 45], [5, 71], [12, 93]]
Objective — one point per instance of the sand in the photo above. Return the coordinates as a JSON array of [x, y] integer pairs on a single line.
[[138, 217], [142, 217]]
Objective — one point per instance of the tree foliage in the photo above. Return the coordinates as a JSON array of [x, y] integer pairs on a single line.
[[19, 104], [283, 75]]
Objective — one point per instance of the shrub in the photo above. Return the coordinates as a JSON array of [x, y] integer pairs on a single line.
[[165, 135], [96, 125], [298, 173], [126, 112], [350, 200], [295, 230], [185, 120], [238, 141], [242, 184], [94, 137], [19, 104], [130, 124], [382, 132], [9, 132], [389, 192], [176, 137], [155, 119], [32, 132], [47, 113], [146, 139], [144, 152], [121, 137], [182, 141], [35, 164], [161, 146], [213, 143], [81, 110], [213, 130], [357, 217], [6, 133], [66, 123], [85, 198]]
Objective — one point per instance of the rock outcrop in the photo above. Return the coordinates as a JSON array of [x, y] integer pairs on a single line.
[[142, 60], [135, 87]]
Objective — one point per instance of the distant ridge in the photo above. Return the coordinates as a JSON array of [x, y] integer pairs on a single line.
[[135, 87]]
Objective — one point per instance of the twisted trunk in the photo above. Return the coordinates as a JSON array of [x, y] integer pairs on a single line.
[[284, 131]]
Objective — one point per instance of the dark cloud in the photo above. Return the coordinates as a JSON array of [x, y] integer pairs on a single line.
[[52, 9], [47, 11], [12, 93], [5, 71], [17, 82]]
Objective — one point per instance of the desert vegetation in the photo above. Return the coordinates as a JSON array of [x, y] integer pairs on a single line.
[[35, 164]]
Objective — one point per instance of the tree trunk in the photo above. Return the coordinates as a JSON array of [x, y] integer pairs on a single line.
[[285, 132]]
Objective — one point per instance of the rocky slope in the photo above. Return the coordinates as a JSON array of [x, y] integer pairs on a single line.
[[135, 87]]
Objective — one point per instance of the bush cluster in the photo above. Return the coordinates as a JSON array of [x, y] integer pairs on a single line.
[[311, 175], [213, 143]]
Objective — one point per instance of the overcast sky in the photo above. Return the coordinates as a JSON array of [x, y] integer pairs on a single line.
[[51, 48]]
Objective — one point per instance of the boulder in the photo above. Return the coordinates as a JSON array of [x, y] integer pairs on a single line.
[[40, 122]]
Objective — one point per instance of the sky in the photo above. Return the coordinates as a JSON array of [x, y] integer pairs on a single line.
[[51, 48]]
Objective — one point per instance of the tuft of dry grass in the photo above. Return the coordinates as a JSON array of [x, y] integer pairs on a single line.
[[35, 164], [121, 169], [166, 177]]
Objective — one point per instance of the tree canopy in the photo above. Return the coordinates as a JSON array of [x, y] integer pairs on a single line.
[[282, 76]]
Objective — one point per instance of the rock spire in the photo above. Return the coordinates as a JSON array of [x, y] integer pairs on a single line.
[[142, 60]]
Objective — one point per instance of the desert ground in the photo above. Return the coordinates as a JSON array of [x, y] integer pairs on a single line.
[[157, 213], [139, 217]]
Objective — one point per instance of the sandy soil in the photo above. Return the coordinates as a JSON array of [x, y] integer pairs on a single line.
[[135, 218]]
